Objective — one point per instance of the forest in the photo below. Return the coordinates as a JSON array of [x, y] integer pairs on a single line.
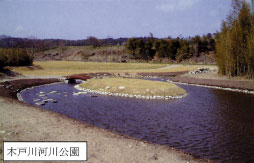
[[175, 49]]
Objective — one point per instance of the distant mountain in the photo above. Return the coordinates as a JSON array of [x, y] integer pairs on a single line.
[[4, 36]]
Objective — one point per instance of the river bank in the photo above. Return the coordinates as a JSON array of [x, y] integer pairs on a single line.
[[240, 86], [208, 79], [42, 125], [23, 122], [11, 88]]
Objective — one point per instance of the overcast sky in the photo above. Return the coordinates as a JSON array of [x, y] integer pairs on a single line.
[[77, 19]]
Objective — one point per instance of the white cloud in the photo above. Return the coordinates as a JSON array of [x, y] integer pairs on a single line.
[[19, 28], [173, 5]]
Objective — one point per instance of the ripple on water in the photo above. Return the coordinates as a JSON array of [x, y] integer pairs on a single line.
[[214, 124]]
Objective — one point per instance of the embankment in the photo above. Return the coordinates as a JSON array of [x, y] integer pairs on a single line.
[[22, 122], [233, 84], [11, 88]]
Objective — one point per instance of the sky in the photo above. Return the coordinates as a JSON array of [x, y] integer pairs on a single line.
[[78, 19]]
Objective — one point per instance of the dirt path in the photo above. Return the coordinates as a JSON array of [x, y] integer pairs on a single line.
[[22, 122], [170, 66]]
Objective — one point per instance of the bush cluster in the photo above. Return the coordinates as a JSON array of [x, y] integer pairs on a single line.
[[15, 57]]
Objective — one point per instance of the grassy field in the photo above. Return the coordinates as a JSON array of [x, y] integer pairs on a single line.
[[75, 67], [61, 68], [134, 87]]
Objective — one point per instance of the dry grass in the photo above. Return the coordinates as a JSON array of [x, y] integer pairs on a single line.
[[74, 67], [61, 68], [134, 86]]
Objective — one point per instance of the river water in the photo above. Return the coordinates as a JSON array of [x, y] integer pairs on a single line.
[[210, 123]]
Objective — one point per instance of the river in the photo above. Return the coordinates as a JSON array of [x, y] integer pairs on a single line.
[[210, 123]]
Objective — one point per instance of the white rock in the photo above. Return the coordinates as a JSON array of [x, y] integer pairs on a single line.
[[42, 95], [53, 92], [40, 103], [78, 93], [121, 87], [108, 87], [2, 132]]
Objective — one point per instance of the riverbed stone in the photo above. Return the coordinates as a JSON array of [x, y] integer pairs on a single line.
[[108, 87], [121, 87], [2, 132], [53, 92]]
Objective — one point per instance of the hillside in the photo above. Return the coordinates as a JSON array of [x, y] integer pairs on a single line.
[[104, 54], [85, 53]]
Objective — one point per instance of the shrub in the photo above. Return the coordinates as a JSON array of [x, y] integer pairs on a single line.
[[15, 57]]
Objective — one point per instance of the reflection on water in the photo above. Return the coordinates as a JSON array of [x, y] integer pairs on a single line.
[[213, 124]]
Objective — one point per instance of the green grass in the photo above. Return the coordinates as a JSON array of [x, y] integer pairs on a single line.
[[134, 87]]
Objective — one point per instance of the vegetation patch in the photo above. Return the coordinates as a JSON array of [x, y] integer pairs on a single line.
[[62, 68], [235, 43], [75, 67], [15, 57], [72, 65], [133, 87]]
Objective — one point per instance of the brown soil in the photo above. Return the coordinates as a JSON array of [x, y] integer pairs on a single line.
[[102, 54], [11, 88], [87, 75]]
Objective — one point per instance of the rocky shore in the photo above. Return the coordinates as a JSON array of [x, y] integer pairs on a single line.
[[84, 90]]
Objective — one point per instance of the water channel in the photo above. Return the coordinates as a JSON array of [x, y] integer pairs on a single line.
[[210, 123]]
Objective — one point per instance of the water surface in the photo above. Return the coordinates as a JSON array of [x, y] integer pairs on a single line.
[[210, 123]]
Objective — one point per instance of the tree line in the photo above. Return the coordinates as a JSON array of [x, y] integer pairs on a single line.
[[175, 49], [15, 57], [235, 43], [45, 44]]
